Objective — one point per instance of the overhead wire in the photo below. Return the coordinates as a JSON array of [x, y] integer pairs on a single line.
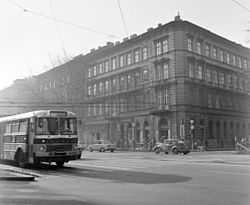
[[243, 7], [123, 20], [64, 21]]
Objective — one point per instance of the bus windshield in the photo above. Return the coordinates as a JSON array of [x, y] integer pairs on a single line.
[[67, 126], [47, 126]]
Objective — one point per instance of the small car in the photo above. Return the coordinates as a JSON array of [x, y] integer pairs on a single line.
[[171, 145], [102, 146]]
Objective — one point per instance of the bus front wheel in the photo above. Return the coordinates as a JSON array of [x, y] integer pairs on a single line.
[[60, 163]]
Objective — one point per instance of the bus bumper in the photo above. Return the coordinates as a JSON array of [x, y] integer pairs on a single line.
[[56, 156]]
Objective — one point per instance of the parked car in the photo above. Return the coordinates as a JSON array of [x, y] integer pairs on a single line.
[[102, 146], [171, 145]]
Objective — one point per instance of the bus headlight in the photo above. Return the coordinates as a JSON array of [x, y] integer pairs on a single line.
[[42, 148], [74, 147]]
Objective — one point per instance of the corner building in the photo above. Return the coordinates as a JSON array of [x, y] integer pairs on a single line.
[[150, 87]]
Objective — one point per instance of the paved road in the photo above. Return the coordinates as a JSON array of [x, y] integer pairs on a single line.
[[123, 178]]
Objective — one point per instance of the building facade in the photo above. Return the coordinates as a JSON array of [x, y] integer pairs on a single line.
[[174, 81], [153, 86]]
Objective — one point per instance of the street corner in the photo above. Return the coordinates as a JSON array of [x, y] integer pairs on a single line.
[[8, 173]]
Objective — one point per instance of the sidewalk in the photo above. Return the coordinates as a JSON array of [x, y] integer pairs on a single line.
[[10, 173]]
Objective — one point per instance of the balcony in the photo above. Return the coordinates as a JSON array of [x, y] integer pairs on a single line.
[[159, 110]]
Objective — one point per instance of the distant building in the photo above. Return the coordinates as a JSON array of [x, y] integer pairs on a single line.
[[13, 99]]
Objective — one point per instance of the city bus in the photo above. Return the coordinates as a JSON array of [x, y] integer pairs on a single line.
[[39, 136]]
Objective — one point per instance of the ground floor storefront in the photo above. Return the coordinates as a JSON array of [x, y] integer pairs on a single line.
[[143, 132]]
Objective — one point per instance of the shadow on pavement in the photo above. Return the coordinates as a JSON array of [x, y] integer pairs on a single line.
[[113, 175]]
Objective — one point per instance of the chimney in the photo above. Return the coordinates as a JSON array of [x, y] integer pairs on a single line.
[[117, 43], [133, 36], [125, 39], [110, 44], [177, 18], [150, 29]]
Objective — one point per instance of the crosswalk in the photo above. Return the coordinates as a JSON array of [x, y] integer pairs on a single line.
[[122, 164]]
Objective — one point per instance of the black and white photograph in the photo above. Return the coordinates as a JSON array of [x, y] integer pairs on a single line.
[[124, 102]]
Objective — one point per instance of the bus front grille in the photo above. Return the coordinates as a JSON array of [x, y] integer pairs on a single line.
[[58, 148]]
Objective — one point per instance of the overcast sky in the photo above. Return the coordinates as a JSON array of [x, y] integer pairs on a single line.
[[31, 39]]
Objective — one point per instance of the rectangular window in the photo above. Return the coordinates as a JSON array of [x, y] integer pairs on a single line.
[[199, 72], [208, 75], [94, 90], [121, 60], [106, 66], [215, 77], [89, 110], [191, 70], [122, 83], [215, 52], [89, 90], [145, 75], [100, 109], [100, 68], [159, 101], [137, 57], [144, 53], [100, 88], [207, 50], [89, 72], [228, 58], [158, 72], [166, 98], [221, 56], [94, 70], [113, 65], [222, 79], [198, 47], [190, 46], [234, 60], [229, 81], [114, 85], [158, 48], [165, 46], [106, 108], [245, 64], [129, 58], [165, 70], [129, 80], [239, 62], [234, 81], [106, 86]]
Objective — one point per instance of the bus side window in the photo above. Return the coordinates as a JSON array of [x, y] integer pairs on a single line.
[[8, 139]]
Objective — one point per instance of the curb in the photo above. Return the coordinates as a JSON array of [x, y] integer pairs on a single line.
[[9, 175]]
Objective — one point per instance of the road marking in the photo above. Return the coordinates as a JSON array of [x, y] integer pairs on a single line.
[[101, 166], [124, 164], [225, 172]]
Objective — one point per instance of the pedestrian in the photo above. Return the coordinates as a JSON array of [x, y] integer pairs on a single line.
[[206, 145]]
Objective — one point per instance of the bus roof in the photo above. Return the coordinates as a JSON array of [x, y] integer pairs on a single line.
[[39, 113]]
